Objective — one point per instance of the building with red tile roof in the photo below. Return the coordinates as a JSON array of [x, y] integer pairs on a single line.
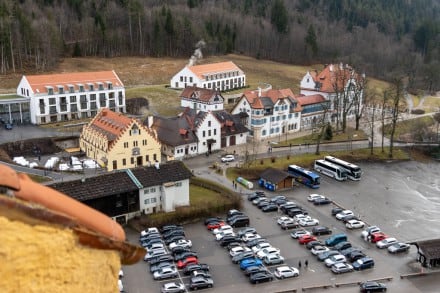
[[118, 142], [271, 113], [313, 109], [69, 96], [220, 76], [201, 99]]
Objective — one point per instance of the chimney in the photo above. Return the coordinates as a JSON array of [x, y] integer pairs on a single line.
[[150, 121], [331, 67], [156, 165], [259, 91]]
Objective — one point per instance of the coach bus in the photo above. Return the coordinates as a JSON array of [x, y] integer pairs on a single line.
[[306, 177], [330, 169], [353, 171]]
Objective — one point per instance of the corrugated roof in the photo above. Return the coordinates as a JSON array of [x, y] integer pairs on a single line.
[[213, 68], [39, 83]]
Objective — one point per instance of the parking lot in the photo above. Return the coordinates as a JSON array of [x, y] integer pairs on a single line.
[[400, 198]]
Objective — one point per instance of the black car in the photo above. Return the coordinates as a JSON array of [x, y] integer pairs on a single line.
[[314, 243], [234, 212], [174, 238], [241, 221], [239, 257], [232, 218], [336, 211], [184, 255], [346, 252], [342, 246], [213, 219], [270, 208], [255, 242], [166, 228], [228, 239], [179, 249], [254, 269], [150, 242], [200, 282], [355, 255], [172, 233], [322, 201], [243, 231], [371, 286], [161, 258], [160, 265], [296, 211], [260, 277], [233, 244], [195, 267], [280, 201], [321, 230], [285, 207], [149, 237], [350, 217], [263, 203]]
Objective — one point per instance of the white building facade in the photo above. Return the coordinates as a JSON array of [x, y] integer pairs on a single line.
[[70, 96], [220, 76]]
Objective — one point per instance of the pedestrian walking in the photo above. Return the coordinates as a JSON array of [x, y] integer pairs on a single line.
[[233, 183], [299, 264], [306, 263]]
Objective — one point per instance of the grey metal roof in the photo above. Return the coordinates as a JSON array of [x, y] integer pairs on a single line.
[[274, 175]]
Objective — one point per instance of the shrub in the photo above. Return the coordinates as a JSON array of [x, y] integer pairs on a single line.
[[273, 159]]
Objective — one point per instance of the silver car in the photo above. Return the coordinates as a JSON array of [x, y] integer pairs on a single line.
[[165, 273], [173, 287]]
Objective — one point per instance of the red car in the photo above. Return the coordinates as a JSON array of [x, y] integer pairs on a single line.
[[215, 225], [181, 264], [306, 239], [378, 236]]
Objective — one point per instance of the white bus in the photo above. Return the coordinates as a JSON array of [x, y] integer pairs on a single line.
[[331, 170], [353, 172]]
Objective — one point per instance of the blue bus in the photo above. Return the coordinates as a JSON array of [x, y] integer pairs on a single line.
[[304, 176]]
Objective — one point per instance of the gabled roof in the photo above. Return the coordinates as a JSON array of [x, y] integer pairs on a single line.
[[169, 172], [174, 131], [96, 187], [274, 175], [261, 99], [332, 76], [310, 100], [430, 248], [200, 94], [213, 68], [39, 83], [230, 123]]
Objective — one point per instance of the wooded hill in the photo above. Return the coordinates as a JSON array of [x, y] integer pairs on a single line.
[[378, 37]]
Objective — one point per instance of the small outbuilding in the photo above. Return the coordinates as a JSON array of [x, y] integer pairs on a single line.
[[275, 179], [428, 252]]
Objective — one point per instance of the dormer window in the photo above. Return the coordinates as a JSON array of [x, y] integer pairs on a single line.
[[81, 88], [101, 86], [109, 85], [134, 130], [71, 88], [91, 87], [60, 89], [49, 90]]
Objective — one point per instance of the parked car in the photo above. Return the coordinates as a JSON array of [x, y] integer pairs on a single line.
[[313, 243], [221, 229], [322, 201], [182, 242], [239, 257], [308, 223], [8, 126], [398, 247], [169, 234], [371, 286], [343, 214], [212, 219], [166, 228], [321, 230], [181, 264], [195, 267], [282, 219], [246, 230], [289, 225], [369, 231], [336, 211], [241, 221], [237, 250], [185, 255], [153, 253], [342, 267], [250, 236], [160, 265], [247, 262], [260, 277], [386, 242], [334, 259], [298, 233], [299, 217], [346, 252], [354, 224], [233, 244], [149, 231], [335, 239], [222, 234], [342, 245], [200, 283], [201, 273], [263, 203], [284, 272], [260, 246], [266, 251], [155, 246], [355, 255], [175, 238], [160, 258], [215, 225], [254, 269], [376, 237], [172, 287], [363, 263], [296, 211], [228, 239], [319, 249], [252, 243], [306, 238], [350, 217], [273, 259], [227, 158], [165, 273], [270, 208], [314, 196], [323, 256]]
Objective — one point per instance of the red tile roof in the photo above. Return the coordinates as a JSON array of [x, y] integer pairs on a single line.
[[310, 100], [39, 83], [198, 93], [213, 68], [333, 75], [255, 100]]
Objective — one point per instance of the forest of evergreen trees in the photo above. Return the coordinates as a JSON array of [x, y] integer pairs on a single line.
[[379, 37]]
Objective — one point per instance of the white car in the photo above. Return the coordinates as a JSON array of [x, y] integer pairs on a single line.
[[228, 158], [121, 273], [266, 251], [282, 219], [308, 222], [298, 233], [354, 224], [343, 214], [334, 259], [260, 246], [150, 231], [222, 228], [120, 286], [314, 196], [368, 231], [286, 272], [237, 250], [182, 242], [317, 249], [250, 236], [386, 242], [220, 235], [301, 217]]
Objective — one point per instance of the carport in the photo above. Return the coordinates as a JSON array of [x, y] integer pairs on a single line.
[[275, 179], [428, 252]]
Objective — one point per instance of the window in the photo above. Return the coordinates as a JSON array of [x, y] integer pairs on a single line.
[[93, 97], [60, 90], [124, 162], [153, 200], [109, 85], [181, 79], [132, 160], [147, 158], [73, 99], [190, 79], [203, 133], [209, 123], [115, 164], [135, 143], [146, 191], [81, 88], [155, 157], [91, 87], [119, 203], [52, 101], [178, 184], [102, 100], [152, 189], [50, 91], [209, 132], [144, 142], [215, 131], [125, 145], [101, 86], [146, 201]]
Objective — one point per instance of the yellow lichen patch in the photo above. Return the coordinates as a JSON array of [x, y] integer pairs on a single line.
[[40, 258]]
